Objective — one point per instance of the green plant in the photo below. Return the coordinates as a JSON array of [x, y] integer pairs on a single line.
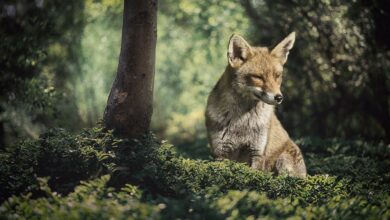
[[348, 180]]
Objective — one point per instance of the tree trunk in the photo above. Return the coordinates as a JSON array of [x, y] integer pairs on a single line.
[[129, 106]]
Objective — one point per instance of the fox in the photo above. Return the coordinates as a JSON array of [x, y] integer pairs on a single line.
[[240, 119]]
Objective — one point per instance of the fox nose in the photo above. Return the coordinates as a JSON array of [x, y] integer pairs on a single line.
[[278, 98]]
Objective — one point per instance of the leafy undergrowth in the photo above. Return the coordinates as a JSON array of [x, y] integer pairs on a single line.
[[96, 176]]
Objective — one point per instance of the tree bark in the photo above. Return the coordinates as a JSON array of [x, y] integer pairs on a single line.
[[129, 107]]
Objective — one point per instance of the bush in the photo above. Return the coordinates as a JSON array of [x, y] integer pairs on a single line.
[[63, 157], [94, 200], [148, 179]]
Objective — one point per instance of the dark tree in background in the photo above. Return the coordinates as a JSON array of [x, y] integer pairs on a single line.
[[129, 106], [39, 47]]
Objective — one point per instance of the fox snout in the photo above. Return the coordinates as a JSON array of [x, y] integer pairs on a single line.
[[267, 97], [278, 98]]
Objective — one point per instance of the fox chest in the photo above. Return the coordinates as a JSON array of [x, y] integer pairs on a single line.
[[249, 130]]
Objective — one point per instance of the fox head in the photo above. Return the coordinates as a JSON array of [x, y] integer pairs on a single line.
[[257, 72]]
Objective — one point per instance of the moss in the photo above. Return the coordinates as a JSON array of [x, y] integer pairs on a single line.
[[148, 179]]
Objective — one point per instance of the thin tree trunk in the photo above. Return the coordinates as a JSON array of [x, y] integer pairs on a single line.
[[129, 106]]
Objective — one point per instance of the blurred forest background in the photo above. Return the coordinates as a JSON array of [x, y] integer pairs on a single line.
[[58, 60]]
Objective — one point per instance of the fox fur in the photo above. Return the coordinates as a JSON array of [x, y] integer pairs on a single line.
[[240, 119]]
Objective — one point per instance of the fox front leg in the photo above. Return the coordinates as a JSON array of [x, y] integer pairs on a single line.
[[257, 160]]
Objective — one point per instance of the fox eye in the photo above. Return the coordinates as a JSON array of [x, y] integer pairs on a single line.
[[278, 75], [257, 77]]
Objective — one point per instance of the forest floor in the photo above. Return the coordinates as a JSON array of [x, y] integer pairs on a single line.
[[94, 175]]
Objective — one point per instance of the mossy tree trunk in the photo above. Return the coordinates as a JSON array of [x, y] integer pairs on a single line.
[[129, 106]]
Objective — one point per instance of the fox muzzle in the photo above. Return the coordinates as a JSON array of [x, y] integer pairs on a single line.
[[267, 97]]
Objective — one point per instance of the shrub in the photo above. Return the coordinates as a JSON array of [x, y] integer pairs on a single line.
[[148, 179], [63, 157], [94, 200]]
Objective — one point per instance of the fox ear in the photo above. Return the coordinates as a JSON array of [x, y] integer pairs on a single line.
[[238, 51], [283, 48]]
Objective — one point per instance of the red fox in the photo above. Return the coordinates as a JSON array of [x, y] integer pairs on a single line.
[[240, 119]]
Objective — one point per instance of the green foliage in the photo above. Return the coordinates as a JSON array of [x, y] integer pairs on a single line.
[[39, 46], [66, 159], [99, 55], [91, 200], [348, 180]]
